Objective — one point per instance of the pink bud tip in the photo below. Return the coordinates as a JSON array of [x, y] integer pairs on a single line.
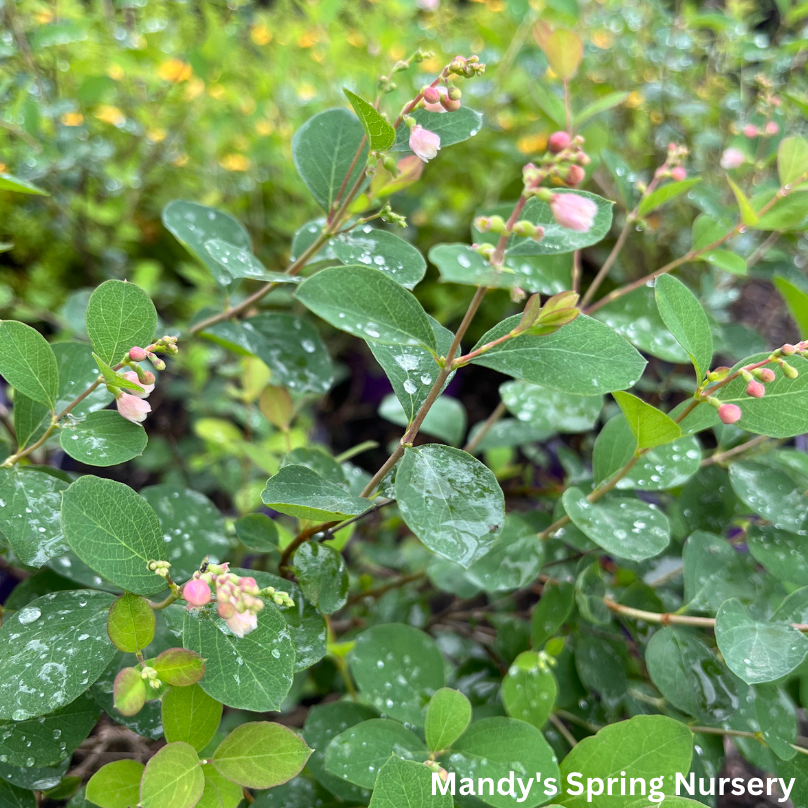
[[431, 95], [772, 128], [678, 173], [788, 350], [729, 413], [196, 592], [247, 582], [575, 175], [435, 106], [226, 610], [755, 389], [767, 375], [558, 142], [137, 354], [750, 130]]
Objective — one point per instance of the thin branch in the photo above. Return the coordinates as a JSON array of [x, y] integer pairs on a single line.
[[485, 428]]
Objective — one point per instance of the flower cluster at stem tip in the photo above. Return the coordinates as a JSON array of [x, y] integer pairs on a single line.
[[756, 378], [133, 405], [238, 599]]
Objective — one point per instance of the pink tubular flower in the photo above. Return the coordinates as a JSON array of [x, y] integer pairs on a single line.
[[732, 158], [242, 623], [755, 389], [131, 376], [678, 173], [729, 413], [197, 593], [424, 144], [133, 408], [573, 212], [434, 105]]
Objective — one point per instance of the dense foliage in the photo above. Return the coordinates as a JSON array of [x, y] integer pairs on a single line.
[[236, 263]]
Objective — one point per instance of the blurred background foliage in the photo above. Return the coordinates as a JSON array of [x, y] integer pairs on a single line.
[[116, 107]]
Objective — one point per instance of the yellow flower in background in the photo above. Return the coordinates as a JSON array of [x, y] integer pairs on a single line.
[[318, 56], [397, 52], [494, 5], [602, 40], [305, 92], [72, 119], [432, 65], [156, 135], [216, 91], [264, 128], [234, 162], [111, 115], [634, 100], [505, 120], [355, 39], [175, 70], [657, 118], [194, 88], [532, 144], [260, 34], [3, 168], [550, 73], [43, 17], [247, 106], [115, 72], [180, 161], [308, 39]]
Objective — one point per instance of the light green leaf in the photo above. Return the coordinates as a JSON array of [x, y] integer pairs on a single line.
[[241, 263], [549, 103], [357, 754], [193, 225], [219, 792], [796, 300], [529, 689], [406, 784], [379, 656], [551, 612], [584, 358], [451, 501], [550, 410], [686, 320], [451, 127], [780, 413], [28, 363], [257, 531], [114, 378], [707, 231], [253, 672], [646, 746], [383, 251], [190, 715], [636, 318], [447, 716], [322, 575], [748, 215], [627, 528], [757, 651], [260, 754], [381, 135], [116, 785], [131, 623], [651, 428], [666, 193], [495, 747], [53, 650], [411, 369], [368, 304], [725, 259], [192, 527], [606, 102], [51, 739], [446, 418], [30, 501], [115, 532], [120, 316], [172, 777], [324, 149], [792, 160], [690, 676], [773, 492], [10, 183], [103, 438], [299, 491]]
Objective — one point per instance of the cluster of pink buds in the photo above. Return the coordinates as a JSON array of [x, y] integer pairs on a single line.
[[133, 406], [565, 158], [769, 129], [441, 98], [756, 378], [238, 599], [672, 168]]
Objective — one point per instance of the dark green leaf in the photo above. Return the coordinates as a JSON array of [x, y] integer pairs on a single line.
[[28, 363], [451, 127], [381, 135], [322, 575], [103, 439]]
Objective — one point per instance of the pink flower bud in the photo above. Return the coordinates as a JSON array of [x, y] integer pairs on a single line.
[[148, 378], [450, 104], [772, 128], [196, 592], [788, 350], [750, 130], [575, 175], [431, 95], [573, 212], [131, 376], [678, 173], [248, 583], [732, 158], [767, 375], [558, 142], [423, 143], [729, 413], [137, 354], [755, 389], [226, 610], [133, 408], [434, 106], [242, 623]]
